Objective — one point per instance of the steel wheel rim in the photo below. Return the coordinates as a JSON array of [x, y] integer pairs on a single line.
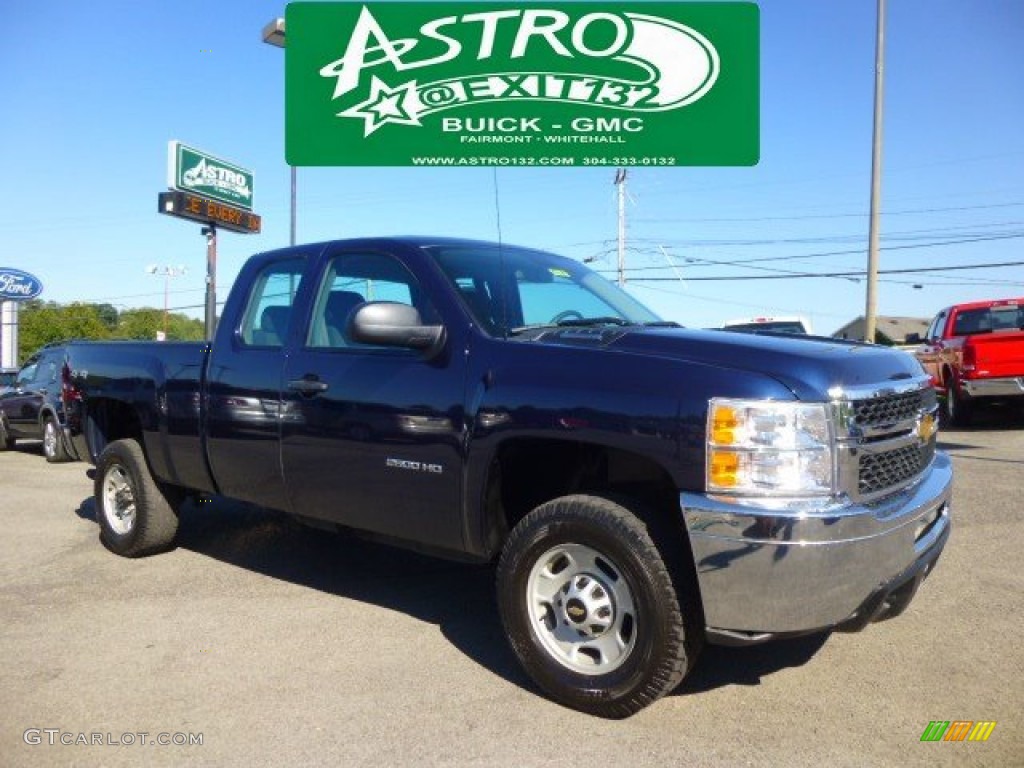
[[581, 609], [118, 501], [50, 440]]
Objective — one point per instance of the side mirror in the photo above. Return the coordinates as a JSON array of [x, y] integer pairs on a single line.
[[912, 338], [389, 324]]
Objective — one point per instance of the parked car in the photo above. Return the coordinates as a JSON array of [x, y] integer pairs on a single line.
[[975, 354], [33, 407], [794, 324]]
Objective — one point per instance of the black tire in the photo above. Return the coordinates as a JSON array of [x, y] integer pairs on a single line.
[[957, 411], [602, 541], [53, 442], [137, 516]]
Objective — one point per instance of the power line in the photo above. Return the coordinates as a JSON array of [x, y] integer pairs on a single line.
[[699, 261], [859, 274], [803, 217]]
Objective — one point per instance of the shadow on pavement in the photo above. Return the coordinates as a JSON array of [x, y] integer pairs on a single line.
[[719, 666], [457, 597]]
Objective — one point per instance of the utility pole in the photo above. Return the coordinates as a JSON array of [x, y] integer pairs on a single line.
[[876, 180], [620, 182]]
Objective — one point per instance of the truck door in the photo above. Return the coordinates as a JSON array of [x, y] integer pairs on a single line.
[[371, 436], [931, 347], [243, 400], [22, 403]]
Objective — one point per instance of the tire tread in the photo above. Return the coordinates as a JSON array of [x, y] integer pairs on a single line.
[[156, 522], [614, 516]]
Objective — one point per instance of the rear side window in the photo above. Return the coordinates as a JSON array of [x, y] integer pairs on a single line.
[[268, 315]]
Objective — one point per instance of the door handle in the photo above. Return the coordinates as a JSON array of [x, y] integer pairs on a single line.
[[307, 386]]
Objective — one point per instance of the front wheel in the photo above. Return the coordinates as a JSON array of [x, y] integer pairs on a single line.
[[590, 608], [136, 515], [53, 443]]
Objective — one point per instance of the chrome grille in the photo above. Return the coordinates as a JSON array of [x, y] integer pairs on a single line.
[[885, 469], [892, 409]]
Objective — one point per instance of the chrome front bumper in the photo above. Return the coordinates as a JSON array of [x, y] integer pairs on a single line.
[[1011, 386], [782, 571]]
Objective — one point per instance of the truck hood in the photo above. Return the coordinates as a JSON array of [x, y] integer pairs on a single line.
[[809, 366]]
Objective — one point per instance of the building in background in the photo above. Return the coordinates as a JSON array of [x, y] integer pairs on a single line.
[[890, 331]]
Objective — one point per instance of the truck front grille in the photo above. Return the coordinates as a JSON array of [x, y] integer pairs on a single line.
[[887, 437], [879, 412], [888, 469]]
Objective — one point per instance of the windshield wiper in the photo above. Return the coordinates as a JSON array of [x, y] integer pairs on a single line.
[[662, 324]]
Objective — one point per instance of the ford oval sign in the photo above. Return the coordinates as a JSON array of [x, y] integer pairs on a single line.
[[16, 285]]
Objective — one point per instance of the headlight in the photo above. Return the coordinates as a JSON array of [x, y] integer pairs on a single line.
[[765, 448]]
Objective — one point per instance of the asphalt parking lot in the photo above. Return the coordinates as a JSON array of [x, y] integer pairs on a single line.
[[281, 645]]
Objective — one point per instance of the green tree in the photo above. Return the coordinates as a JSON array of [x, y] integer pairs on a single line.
[[144, 324], [108, 315], [139, 324], [41, 323]]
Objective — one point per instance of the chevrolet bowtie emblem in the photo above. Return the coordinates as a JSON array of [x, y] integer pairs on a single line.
[[926, 428]]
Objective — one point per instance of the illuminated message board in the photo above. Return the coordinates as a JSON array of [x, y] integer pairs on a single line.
[[207, 211]]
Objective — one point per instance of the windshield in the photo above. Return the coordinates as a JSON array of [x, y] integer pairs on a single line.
[[510, 289]]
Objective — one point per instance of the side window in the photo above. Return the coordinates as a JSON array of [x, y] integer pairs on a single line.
[[27, 375], [935, 331], [269, 313], [354, 279]]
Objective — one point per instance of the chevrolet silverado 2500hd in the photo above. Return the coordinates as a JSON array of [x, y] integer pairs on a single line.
[[643, 488]]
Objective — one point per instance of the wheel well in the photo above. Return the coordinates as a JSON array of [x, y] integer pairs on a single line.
[[107, 421], [527, 472]]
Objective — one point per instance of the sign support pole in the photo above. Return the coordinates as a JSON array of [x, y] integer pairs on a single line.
[[211, 280]]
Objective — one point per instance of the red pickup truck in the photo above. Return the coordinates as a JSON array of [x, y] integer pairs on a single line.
[[975, 353]]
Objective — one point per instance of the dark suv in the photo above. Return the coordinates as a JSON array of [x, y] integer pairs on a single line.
[[33, 407]]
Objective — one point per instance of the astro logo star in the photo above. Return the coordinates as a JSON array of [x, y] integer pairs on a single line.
[[385, 105]]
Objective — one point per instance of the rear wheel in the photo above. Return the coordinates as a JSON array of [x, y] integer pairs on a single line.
[[958, 409], [136, 515], [590, 608], [53, 443]]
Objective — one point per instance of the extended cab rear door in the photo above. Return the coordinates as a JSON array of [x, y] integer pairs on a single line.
[[372, 436], [244, 379]]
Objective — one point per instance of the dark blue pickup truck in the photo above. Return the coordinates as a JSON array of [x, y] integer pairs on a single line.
[[643, 488]]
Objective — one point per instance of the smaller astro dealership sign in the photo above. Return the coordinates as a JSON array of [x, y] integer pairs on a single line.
[[478, 83], [192, 170]]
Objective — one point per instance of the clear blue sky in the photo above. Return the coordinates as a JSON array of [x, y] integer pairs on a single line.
[[94, 91]]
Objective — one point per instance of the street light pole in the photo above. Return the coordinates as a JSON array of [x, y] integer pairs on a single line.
[[168, 273], [273, 34]]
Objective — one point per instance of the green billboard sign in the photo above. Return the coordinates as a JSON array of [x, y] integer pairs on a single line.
[[199, 173], [519, 84]]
